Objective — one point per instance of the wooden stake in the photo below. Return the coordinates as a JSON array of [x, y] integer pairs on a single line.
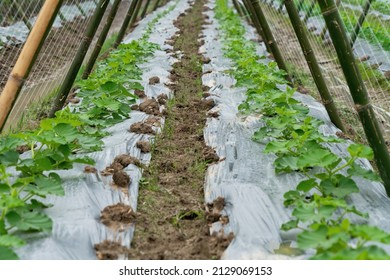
[[27, 58]]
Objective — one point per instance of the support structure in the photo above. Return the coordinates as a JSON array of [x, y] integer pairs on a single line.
[[268, 36], [79, 57], [27, 58], [360, 22], [357, 88], [145, 9], [125, 24], [300, 31], [102, 38], [251, 10]]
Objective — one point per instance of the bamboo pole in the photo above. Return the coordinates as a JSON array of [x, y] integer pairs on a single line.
[[156, 4], [238, 9], [101, 39], [27, 58], [251, 11], [79, 57], [145, 9], [357, 88], [136, 13], [125, 24], [315, 70], [360, 22], [269, 37], [245, 12]]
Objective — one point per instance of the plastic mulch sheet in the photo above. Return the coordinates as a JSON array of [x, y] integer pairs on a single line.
[[246, 177], [76, 215]]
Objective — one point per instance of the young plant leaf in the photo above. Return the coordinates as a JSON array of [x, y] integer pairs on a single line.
[[29, 221], [7, 254]]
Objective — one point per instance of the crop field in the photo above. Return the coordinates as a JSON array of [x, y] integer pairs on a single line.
[[194, 130]]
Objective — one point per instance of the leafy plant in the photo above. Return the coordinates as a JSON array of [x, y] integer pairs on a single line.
[[320, 208], [57, 142]]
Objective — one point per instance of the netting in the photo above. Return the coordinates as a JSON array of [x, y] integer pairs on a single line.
[[372, 50], [54, 58]]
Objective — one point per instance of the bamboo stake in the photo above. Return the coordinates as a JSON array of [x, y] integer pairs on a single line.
[[360, 22], [79, 57], [144, 11], [251, 11], [136, 12], [357, 88], [238, 9], [156, 5], [27, 58], [245, 12], [101, 39], [269, 37], [311, 60], [125, 24]]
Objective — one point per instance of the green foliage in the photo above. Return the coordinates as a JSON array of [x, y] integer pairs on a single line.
[[319, 201], [54, 145]]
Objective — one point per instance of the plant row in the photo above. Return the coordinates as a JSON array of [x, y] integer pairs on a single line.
[[26, 178], [320, 209]]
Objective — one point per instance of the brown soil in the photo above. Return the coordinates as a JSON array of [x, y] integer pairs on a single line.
[[109, 250], [142, 128], [154, 80], [150, 106], [144, 146], [162, 99], [121, 179], [118, 216], [119, 163], [172, 222], [140, 93]]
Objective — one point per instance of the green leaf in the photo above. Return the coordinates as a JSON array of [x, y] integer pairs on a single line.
[[11, 241], [290, 225], [66, 131], [85, 160], [312, 239], [2, 227], [307, 185], [10, 202], [357, 170], [27, 221], [362, 253], [339, 186], [286, 164], [9, 158], [291, 197], [276, 147], [305, 212], [317, 157], [46, 185], [7, 254], [4, 188], [360, 150], [370, 233]]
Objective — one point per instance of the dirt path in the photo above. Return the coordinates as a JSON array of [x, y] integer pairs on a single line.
[[172, 222]]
